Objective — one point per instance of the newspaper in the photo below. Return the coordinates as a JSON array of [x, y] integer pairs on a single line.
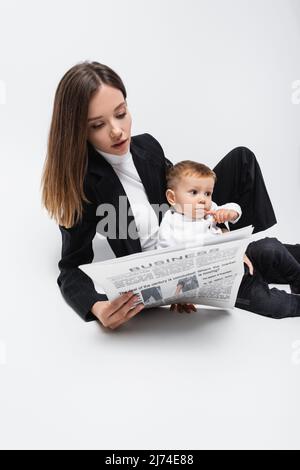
[[207, 274]]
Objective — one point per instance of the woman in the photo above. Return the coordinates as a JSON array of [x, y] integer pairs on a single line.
[[92, 160]]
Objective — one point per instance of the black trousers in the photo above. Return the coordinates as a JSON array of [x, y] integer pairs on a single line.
[[273, 263], [240, 180]]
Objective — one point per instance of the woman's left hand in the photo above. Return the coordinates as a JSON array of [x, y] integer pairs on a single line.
[[183, 308], [249, 264]]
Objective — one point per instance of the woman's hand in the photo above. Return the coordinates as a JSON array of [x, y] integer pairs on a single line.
[[113, 313], [223, 215], [249, 264], [183, 308]]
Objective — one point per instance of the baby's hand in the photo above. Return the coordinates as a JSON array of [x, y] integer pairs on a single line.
[[183, 308], [223, 215]]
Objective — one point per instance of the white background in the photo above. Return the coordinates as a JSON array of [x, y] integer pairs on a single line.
[[202, 77]]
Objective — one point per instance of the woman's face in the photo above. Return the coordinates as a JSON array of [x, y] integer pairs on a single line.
[[109, 121]]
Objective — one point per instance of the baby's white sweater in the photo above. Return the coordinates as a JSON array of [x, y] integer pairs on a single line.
[[179, 229]]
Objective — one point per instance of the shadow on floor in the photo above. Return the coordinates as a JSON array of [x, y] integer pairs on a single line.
[[154, 321]]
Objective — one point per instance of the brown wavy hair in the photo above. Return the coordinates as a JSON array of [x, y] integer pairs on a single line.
[[187, 168], [66, 161]]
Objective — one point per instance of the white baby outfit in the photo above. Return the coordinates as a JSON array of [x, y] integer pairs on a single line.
[[180, 229]]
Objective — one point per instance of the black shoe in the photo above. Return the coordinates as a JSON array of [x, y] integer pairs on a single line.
[[295, 288], [294, 250]]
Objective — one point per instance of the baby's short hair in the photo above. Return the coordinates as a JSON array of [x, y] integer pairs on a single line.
[[187, 168]]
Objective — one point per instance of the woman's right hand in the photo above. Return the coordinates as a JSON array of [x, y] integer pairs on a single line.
[[113, 313]]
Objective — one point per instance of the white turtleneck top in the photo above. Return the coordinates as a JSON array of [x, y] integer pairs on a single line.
[[145, 218]]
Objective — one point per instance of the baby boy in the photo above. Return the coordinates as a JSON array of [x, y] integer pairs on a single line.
[[193, 215]]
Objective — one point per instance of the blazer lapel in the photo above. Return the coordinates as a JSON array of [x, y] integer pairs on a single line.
[[109, 187], [148, 171]]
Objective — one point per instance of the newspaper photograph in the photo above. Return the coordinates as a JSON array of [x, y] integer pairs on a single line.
[[209, 274]]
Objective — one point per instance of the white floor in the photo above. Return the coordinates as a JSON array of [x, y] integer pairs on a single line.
[[212, 379]]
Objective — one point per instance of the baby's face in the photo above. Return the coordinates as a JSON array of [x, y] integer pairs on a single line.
[[192, 195]]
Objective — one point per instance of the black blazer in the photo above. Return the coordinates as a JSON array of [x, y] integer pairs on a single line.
[[101, 185]]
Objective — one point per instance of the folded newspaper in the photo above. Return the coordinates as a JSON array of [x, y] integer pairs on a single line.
[[209, 273]]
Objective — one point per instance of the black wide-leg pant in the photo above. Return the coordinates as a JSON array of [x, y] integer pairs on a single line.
[[273, 263], [240, 180]]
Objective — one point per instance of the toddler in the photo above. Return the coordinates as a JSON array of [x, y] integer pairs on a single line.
[[193, 214]]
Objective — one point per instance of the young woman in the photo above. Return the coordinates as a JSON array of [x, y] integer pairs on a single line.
[[92, 160]]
